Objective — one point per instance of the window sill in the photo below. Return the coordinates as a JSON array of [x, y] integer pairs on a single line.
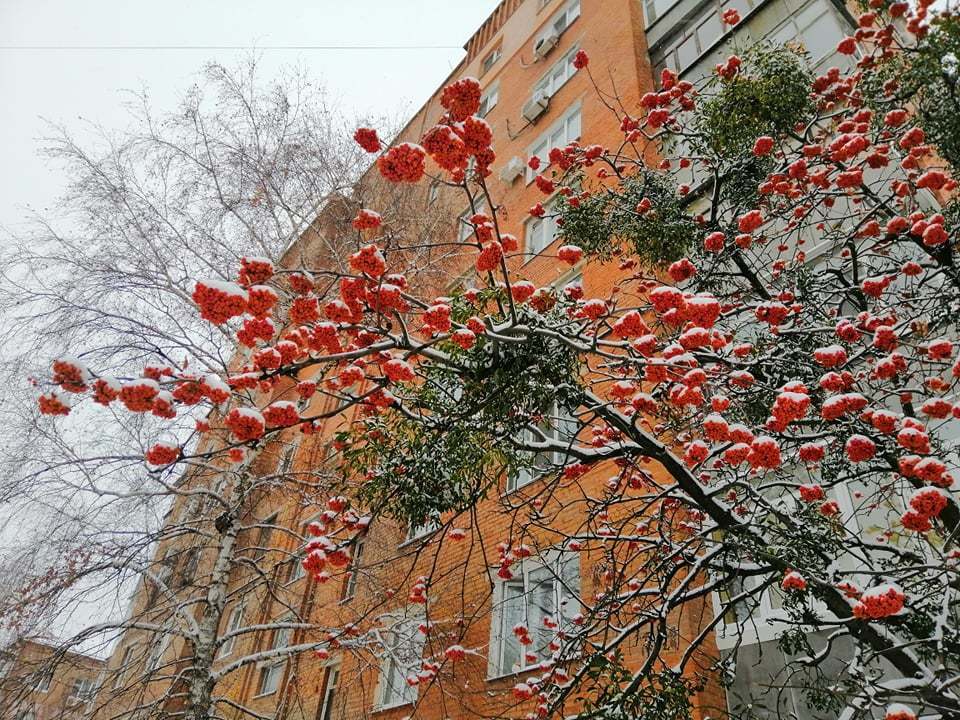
[[512, 674], [419, 539], [264, 694], [393, 706]]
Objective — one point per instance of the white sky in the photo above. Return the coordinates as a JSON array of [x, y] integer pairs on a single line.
[[80, 86]]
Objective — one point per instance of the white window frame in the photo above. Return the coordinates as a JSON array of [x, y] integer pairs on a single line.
[[158, 648], [418, 532], [273, 668], [560, 427], [329, 691], [406, 624], [353, 571], [88, 688], [501, 627], [489, 99], [567, 128], [651, 13], [299, 572], [433, 192], [125, 660], [544, 230], [234, 623], [491, 59], [561, 21], [558, 75], [44, 681]]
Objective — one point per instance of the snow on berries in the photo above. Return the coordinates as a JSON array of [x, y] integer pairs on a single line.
[[437, 317], [219, 301], [53, 403], [138, 395], [71, 374], [570, 254], [464, 337], [898, 711], [246, 424], [403, 163], [880, 602], [750, 221], [398, 370], [860, 448], [369, 260], [281, 413], [367, 220], [830, 356], [455, 653], [254, 270], [461, 99], [630, 325], [793, 582], [928, 502], [811, 493], [162, 453]]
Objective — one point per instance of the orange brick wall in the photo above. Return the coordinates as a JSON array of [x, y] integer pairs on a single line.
[[611, 32]]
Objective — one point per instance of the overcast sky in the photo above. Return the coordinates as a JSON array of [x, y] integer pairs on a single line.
[[68, 62]]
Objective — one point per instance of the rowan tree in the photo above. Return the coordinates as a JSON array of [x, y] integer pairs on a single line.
[[762, 407]]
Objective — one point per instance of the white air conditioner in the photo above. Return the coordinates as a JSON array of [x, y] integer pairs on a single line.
[[545, 44], [535, 106], [512, 170]]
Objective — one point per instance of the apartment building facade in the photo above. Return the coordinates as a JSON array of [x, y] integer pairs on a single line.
[[534, 99], [39, 681]]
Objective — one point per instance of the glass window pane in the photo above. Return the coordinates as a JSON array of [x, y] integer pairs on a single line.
[[573, 126], [687, 52], [512, 614], [709, 31], [822, 35]]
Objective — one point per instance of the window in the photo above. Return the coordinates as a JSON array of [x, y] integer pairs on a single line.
[[816, 26], [542, 594], [263, 539], [189, 570], [489, 99], [271, 670], [158, 583], [123, 667], [653, 9], [350, 584], [296, 564], [560, 134], [695, 36], [415, 532], [158, 648], [43, 682], [234, 623], [557, 424], [286, 459], [329, 693], [490, 60], [538, 233], [402, 650], [433, 192], [557, 75], [83, 690], [563, 19]]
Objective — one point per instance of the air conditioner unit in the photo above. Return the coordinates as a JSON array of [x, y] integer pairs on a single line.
[[535, 107], [545, 44], [512, 170]]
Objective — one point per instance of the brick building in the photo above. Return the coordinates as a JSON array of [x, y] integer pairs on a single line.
[[39, 681], [534, 98]]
